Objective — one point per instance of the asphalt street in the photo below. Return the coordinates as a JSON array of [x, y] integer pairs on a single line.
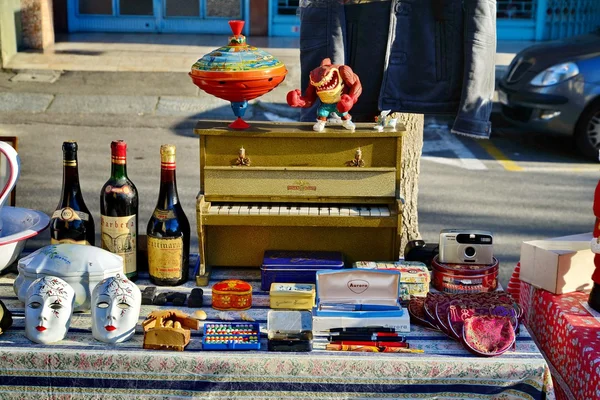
[[519, 185]]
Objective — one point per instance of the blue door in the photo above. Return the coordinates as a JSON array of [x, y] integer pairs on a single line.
[[283, 18], [177, 16]]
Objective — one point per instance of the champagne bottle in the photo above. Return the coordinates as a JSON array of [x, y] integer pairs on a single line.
[[72, 222], [168, 231], [119, 211]]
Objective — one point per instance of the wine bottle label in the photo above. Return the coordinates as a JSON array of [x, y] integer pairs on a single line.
[[165, 256], [69, 241], [119, 236], [163, 215], [123, 189], [68, 214]]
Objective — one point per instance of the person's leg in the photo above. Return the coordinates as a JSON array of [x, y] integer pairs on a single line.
[[322, 32]]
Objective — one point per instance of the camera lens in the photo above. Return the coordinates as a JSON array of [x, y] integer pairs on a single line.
[[469, 251]]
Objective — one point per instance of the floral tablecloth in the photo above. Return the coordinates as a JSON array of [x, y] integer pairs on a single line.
[[568, 333], [81, 367]]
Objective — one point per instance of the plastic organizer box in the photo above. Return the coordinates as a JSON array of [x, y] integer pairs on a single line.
[[231, 336]]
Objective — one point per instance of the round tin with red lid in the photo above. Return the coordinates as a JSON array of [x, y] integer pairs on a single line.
[[464, 278], [232, 294]]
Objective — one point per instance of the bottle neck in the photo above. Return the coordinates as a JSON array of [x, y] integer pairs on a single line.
[[167, 196], [70, 177], [118, 171]]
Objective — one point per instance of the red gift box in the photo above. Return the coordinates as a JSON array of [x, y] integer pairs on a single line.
[[569, 336]]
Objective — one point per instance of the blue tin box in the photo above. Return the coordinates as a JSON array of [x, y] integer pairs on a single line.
[[288, 266]]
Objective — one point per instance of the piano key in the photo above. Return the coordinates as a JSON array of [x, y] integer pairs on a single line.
[[253, 209], [335, 211], [214, 209], [344, 211], [313, 211], [324, 211], [234, 209], [265, 209], [295, 210], [303, 210], [375, 212], [244, 209], [287, 210], [224, 209], [354, 211], [384, 211], [364, 211]]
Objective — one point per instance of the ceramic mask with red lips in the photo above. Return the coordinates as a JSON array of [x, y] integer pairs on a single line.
[[48, 309], [116, 303]]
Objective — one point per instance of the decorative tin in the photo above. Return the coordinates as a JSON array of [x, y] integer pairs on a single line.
[[296, 266], [464, 278], [231, 294], [414, 276], [294, 296], [238, 73], [487, 335]]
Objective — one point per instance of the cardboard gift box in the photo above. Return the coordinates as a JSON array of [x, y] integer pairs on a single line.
[[559, 265], [414, 276], [294, 296], [286, 266], [358, 297]]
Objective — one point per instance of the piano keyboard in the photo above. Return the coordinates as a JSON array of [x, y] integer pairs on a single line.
[[299, 209]]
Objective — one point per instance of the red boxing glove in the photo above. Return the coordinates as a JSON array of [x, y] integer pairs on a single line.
[[345, 103], [294, 98]]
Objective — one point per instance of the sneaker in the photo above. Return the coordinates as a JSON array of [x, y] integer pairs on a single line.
[[319, 126], [348, 124]]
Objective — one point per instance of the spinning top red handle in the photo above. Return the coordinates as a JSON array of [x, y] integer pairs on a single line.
[[236, 26]]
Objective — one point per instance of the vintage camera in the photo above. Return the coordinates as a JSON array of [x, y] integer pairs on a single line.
[[460, 246]]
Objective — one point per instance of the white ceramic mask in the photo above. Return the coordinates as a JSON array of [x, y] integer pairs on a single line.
[[48, 309], [116, 303]]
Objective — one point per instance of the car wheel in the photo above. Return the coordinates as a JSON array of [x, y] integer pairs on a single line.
[[587, 132]]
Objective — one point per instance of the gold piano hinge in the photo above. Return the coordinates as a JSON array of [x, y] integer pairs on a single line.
[[357, 161], [242, 160]]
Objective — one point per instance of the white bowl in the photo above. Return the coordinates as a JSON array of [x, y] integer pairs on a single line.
[[18, 225]]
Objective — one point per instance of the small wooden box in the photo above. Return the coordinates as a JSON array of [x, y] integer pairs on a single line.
[[292, 296]]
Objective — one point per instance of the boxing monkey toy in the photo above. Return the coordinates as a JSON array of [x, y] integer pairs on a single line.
[[337, 86]]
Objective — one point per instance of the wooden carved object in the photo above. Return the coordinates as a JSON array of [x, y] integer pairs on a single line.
[[168, 330]]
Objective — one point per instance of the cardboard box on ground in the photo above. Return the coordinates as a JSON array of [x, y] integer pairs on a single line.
[[558, 265]]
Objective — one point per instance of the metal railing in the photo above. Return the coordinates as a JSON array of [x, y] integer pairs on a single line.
[[516, 9]]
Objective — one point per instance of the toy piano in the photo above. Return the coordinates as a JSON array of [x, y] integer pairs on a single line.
[[283, 186]]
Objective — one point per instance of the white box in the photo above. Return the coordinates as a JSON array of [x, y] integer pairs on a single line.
[[558, 265], [321, 325]]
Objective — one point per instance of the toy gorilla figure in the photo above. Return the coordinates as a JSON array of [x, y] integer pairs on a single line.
[[338, 88]]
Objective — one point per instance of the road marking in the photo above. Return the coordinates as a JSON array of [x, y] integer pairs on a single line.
[[448, 142], [495, 152]]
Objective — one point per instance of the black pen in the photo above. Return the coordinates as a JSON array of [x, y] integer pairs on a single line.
[[365, 329], [366, 337]]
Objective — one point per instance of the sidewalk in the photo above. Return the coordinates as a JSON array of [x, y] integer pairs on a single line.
[[152, 78]]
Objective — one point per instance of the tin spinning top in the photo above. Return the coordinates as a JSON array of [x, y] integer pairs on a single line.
[[238, 73]]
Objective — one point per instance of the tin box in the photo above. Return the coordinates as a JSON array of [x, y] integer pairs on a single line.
[[231, 294], [287, 266], [289, 330], [414, 276], [294, 296], [464, 278]]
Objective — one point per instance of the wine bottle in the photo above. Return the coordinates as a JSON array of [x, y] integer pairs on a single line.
[[168, 231], [72, 222], [119, 211]]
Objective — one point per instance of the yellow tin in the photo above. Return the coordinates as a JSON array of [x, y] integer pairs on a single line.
[[292, 296]]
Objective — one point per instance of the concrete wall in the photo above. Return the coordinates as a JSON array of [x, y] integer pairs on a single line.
[[10, 29]]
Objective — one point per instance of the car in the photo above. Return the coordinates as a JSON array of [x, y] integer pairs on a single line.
[[554, 87]]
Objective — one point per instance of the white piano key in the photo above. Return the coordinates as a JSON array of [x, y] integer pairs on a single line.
[[323, 210], [364, 211], [313, 211], [303, 210], [254, 209], [384, 211], [354, 211], [275, 210], [224, 209], [265, 209], [214, 209], [244, 209], [375, 212], [334, 211], [344, 211], [295, 210], [235, 209]]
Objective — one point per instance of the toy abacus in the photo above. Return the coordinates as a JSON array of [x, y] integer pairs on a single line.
[[231, 336]]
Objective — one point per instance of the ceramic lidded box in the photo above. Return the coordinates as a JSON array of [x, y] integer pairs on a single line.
[[231, 294], [80, 266]]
